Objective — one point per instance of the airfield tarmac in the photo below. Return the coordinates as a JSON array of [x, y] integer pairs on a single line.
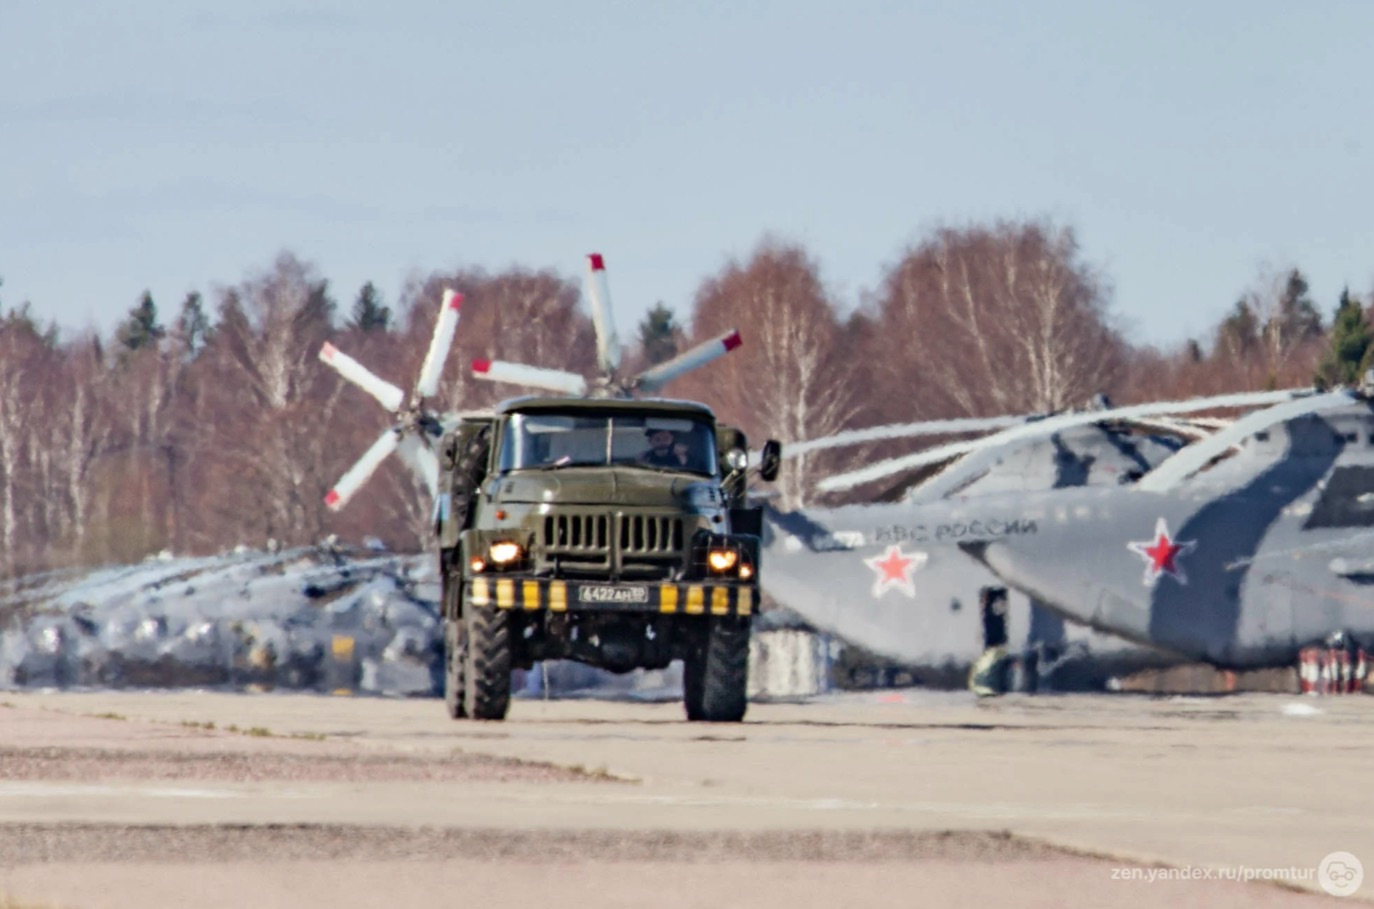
[[908, 798]]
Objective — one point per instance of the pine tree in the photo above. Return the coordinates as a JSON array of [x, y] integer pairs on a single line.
[[1350, 344], [368, 312], [658, 335], [1297, 318], [140, 329], [1238, 333], [193, 325]]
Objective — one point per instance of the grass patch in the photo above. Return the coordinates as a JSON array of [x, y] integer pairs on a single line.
[[255, 731], [108, 715], [596, 773], [260, 732]]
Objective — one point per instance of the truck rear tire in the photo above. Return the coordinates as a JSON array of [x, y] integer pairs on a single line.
[[487, 663], [715, 677], [454, 696], [470, 468], [454, 637]]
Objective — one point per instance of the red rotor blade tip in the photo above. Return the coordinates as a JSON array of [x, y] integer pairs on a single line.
[[598, 263], [332, 500], [481, 366], [327, 351], [732, 341], [455, 301]]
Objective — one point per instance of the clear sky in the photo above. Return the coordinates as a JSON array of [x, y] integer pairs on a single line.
[[180, 145]]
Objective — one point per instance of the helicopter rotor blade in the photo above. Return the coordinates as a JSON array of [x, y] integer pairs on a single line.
[[1049, 426], [427, 385], [887, 468], [653, 379], [902, 430], [536, 377], [1177, 427], [1195, 457], [603, 319], [389, 395], [362, 469], [421, 461]]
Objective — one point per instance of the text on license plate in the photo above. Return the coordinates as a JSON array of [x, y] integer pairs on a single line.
[[612, 594]]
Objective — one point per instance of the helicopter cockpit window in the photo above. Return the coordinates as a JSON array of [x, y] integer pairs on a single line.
[[552, 441], [1346, 501]]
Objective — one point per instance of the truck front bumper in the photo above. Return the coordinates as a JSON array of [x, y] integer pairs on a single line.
[[532, 594]]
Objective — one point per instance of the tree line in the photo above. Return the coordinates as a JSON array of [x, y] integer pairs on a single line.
[[214, 424]]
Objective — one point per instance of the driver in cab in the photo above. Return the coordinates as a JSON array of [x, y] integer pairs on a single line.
[[664, 450]]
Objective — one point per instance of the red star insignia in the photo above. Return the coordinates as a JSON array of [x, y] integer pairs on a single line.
[[1162, 555], [895, 570]]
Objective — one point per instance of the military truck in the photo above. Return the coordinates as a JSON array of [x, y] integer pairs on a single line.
[[613, 532]]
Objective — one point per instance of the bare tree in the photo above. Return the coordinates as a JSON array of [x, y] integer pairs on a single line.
[[76, 432], [24, 352], [1000, 319], [271, 400], [792, 378]]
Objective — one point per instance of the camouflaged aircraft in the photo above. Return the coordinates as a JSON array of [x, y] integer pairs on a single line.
[[898, 579], [1241, 550]]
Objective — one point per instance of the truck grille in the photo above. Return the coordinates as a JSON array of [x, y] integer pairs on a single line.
[[646, 534], [585, 533], [624, 545]]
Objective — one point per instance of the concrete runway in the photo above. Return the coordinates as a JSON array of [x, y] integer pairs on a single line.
[[114, 799]]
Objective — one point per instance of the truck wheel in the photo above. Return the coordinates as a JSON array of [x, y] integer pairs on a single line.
[[692, 677], [454, 636], [716, 676], [453, 669], [468, 472], [487, 665]]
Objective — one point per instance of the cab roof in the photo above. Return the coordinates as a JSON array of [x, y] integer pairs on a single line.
[[655, 406]]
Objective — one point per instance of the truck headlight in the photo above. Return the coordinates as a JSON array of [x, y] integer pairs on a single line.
[[721, 560], [504, 552]]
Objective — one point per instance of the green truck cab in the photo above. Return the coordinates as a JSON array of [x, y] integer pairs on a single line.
[[613, 532]]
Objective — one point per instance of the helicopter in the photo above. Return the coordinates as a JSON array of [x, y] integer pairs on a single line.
[[893, 578], [1241, 551]]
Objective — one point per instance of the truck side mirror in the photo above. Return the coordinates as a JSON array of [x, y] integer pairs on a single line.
[[770, 460]]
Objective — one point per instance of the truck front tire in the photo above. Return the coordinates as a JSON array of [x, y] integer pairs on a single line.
[[715, 677], [487, 663]]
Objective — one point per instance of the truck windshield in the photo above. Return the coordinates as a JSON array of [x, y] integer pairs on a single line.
[[551, 441]]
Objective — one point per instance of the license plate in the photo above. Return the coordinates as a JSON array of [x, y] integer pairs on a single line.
[[609, 594]]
